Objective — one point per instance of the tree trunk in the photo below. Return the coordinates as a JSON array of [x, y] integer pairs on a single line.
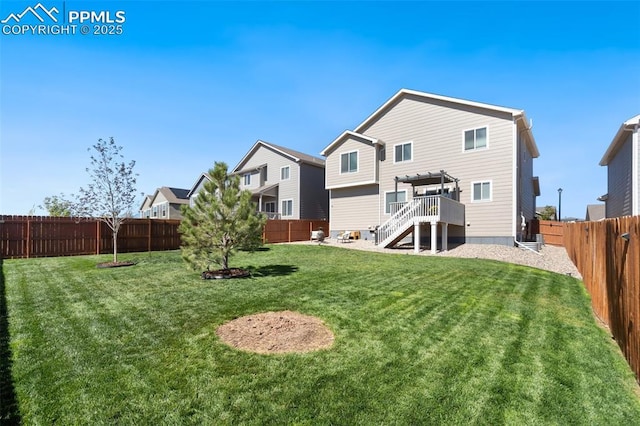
[[115, 247], [225, 260]]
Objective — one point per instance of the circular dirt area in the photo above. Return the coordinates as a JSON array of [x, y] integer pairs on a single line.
[[276, 333]]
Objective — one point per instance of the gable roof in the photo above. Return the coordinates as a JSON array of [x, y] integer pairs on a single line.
[[517, 114], [195, 186], [346, 134], [146, 201], [595, 212], [293, 155], [172, 195], [619, 139]]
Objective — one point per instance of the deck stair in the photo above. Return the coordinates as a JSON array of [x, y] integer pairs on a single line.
[[426, 209]]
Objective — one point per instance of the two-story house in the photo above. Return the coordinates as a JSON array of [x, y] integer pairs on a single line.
[[431, 166], [285, 184], [165, 203], [622, 159]]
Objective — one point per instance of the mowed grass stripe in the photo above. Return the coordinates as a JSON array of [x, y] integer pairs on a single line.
[[418, 340]]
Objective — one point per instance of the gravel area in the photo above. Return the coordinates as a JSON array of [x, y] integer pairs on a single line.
[[550, 258]]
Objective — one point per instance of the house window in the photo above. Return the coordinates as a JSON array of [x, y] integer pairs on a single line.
[[247, 179], [390, 197], [287, 208], [403, 152], [285, 172], [481, 191], [349, 162], [475, 139], [164, 210], [270, 207], [155, 211]]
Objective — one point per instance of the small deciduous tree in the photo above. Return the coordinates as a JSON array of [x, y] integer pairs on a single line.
[[547, 213], [58, 205], [111, 193], [222, 220]]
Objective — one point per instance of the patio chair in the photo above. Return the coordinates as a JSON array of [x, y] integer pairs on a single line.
[[343, 237]]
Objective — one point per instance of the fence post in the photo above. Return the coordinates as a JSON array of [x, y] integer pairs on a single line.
[[289, 231], [28, 237], [149, 236], [97, 236]]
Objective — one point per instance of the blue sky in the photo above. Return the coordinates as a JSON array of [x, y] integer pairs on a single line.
[[190, 83]]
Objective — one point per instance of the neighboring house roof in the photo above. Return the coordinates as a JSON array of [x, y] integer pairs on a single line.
[[619, 139], [296, 156], [517, 114], [265, 190], [146, 202], [172, 195], [347, 134], [595, 212], [195, 186]]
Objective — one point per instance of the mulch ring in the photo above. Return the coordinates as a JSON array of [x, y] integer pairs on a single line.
[[220, 274], [114, 264]]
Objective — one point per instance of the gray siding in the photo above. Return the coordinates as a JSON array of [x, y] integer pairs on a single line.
[[436, 129], [366, 173], [287, 189], [314, 199], [527, 197], [620, 182], [174, 211]]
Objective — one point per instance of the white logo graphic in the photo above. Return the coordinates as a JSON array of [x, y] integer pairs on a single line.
[[34, 11]]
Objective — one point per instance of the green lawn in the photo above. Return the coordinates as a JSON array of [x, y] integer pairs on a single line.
[[419, 340]]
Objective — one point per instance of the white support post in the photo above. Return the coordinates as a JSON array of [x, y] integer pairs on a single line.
[[416, 237], [434, 237], [445, 236]]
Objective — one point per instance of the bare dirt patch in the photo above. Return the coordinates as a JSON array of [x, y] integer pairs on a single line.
[[276, 332]]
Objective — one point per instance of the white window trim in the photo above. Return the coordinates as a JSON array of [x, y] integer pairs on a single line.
[[357, 151], [164, 210], [486, 126], [384, 200], [244, 179], [402, 161], [288, 174], [490, 182], [282, 212]]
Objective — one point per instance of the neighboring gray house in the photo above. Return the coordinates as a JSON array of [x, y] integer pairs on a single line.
[[286, 184], [165, 203], [423, 160], [595, 212], [622, 159], [197, 187]]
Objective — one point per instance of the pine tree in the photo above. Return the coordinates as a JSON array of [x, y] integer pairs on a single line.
[[222, 220]]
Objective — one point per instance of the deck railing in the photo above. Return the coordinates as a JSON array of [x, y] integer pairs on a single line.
[[431, 208]]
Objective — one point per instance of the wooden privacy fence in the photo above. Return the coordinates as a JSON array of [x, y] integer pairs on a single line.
[[286, 231], [607, 254], [45, 236], [552, 232]]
